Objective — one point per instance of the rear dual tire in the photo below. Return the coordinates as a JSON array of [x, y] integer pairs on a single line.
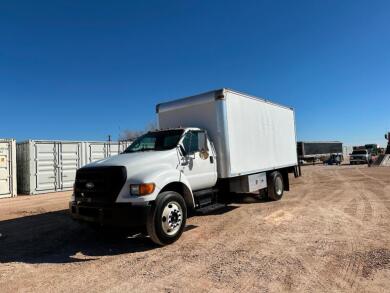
[[167, 218], [275, 186]]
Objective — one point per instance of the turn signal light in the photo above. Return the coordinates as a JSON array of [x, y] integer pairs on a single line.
[[142, 189]]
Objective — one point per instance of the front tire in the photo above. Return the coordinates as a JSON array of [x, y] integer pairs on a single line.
[[275, 185], [167, 218]]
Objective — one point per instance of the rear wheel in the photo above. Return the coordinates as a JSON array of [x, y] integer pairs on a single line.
[[167, 218], [275, 186]]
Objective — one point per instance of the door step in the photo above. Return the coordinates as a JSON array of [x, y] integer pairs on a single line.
[[211, 208], [205, 197]]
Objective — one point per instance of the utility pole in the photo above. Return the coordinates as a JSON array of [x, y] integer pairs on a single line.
[[109, 145]]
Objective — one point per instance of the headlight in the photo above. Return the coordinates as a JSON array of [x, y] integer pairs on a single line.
[[142, 189]]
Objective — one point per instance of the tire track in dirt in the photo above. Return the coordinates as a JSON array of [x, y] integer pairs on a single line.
[[370, 216], [326, 198], [371, 177], [361, 200], [353, 268], [345, 277]]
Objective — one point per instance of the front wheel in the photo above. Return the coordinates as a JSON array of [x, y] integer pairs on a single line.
[[167, 218]]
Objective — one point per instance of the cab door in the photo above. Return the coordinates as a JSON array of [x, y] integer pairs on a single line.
[[198, 163]]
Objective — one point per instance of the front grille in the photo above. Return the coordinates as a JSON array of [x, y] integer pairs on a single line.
[[99, 184], [88, 212]]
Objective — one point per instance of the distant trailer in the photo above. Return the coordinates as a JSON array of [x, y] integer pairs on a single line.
[[311, 151]]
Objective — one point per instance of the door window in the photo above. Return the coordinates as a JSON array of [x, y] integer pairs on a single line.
[[190, 142]]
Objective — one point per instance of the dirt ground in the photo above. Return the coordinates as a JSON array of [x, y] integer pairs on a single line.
[[331, 232]]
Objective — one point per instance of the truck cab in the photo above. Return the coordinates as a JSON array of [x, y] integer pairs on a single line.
[[168, 163], [360, 156]]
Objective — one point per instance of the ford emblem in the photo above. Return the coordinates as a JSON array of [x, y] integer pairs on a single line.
[[89, 185]]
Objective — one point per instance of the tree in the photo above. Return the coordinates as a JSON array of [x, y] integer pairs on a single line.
[[130, 134]]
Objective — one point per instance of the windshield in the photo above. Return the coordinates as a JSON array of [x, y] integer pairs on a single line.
[[359, 152], [156, 141]]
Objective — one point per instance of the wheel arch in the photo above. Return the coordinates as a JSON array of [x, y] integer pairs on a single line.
[[183, 190]]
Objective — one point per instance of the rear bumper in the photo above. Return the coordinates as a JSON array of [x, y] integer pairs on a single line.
[[118, 215], [358, 161]]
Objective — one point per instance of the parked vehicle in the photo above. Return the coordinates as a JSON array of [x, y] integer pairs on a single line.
[[334, 159], [360, 156], [312, 151], [372, 148], [207, 146]]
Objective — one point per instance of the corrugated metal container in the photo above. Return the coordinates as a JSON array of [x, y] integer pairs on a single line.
[[7, 168], [47, 166], [347, 150], [97, 150], [50, 166]]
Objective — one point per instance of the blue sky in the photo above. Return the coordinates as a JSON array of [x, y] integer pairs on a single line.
[[84, 69]]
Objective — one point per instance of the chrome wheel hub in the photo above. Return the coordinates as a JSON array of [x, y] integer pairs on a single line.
[[278, 186], [172, 218]]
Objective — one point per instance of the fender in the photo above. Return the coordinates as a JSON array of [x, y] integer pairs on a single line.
[[161, 175], [183, 187]]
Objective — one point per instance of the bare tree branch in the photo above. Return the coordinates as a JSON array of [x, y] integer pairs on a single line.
[[129, 134]]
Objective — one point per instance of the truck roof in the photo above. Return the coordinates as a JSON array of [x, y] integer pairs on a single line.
[[175, 128], [208, 96], [334, 141]]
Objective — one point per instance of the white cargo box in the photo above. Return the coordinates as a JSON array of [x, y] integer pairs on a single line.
[[7, 168], [250, 135]]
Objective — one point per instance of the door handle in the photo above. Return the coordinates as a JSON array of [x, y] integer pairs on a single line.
[[211, 160]]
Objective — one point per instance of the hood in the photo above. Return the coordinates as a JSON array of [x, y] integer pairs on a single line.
[[131, 160]]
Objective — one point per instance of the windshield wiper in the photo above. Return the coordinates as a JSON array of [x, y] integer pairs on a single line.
[[146, 149], [141, 150]]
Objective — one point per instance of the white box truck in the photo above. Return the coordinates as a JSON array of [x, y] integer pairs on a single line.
[[206, 146]]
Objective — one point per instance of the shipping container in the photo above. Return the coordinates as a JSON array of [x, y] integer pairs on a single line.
[[98, 150], [347, 150], [50, 166], [8, 181], [47, 166]]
